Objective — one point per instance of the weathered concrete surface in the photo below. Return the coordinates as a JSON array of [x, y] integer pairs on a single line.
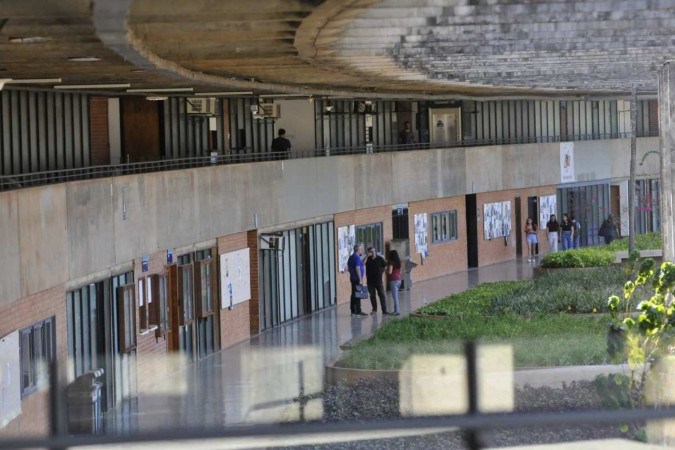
[[135, 210], [667, 148], [373, 180], [90, 216], [10, 275], [43, 237]]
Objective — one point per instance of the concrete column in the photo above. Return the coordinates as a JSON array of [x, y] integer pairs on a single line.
[[667, 146], [631, 181]]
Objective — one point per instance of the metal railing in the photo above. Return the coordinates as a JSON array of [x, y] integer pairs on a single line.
[[238, 156]]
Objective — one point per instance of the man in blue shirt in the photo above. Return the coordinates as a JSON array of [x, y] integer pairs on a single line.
[[356, 274]]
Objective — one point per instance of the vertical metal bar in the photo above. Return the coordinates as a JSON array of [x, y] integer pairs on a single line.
[[472, 437]]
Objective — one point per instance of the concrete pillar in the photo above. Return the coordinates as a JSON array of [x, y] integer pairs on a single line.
[[667, 146], [631, 181]]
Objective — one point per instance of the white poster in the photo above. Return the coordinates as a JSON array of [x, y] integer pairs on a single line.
[[567, 162], [547, 206], [235, 278], [346, 242], [10, 382], [421, 243], [496, 220]]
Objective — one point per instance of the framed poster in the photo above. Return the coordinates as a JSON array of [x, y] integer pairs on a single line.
[[567, 162], [346, 242], [10, 381], [421, 243], [547, 206], [235, 278], [496, 220]]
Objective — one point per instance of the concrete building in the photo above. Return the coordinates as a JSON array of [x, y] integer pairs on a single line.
[[143, 214]]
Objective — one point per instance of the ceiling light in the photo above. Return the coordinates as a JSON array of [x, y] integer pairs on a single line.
[[221, 94], [93, 86], [29, 40], [138, 71], [282, 95], [84, 59], [35, 81], [150, 91], [156, 98]]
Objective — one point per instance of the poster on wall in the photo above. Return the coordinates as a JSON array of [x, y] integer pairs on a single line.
[[421, 243], [567, 162], [346, 242], [235, 278], [496, 220], [10, 382], [547, 206]]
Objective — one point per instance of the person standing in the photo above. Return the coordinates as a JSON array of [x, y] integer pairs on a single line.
[[552, 229], [576, 234], [375, 265], [531, 239], [567, 231], [394, 272], [281, 147], [609, 230], [356, 274], [406, 136]]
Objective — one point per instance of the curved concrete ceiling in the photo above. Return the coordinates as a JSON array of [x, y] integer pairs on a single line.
[[381, 48]]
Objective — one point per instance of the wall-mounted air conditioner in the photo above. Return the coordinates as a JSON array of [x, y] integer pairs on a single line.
[[203, 106], [272, 110]]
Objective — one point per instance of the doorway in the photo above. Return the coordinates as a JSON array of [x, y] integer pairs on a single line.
[[615, 203], [471, 230], [533, 213], [519, 236], [445, 126]]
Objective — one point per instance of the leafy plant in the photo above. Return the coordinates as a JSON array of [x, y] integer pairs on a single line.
[[579, 258], [643, 339], [646, 241]]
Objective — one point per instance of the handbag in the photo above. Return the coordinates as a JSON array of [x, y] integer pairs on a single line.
[[361, 292]]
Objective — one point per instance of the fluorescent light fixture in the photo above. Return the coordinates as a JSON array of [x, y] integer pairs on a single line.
[[93, 86], [84, 59], [35, 81], [150, 91], [29, 40], [283, 95], [156, 98], [3, 81], [221, 94]]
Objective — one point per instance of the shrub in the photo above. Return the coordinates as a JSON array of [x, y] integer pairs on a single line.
[[475, 301], [579, 258], [646, 241]]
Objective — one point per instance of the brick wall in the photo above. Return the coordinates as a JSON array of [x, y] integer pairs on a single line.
[[98, 131], [254, 303], [235, 324], [446, 257], [360, 217], [34, 418], [494, 251]]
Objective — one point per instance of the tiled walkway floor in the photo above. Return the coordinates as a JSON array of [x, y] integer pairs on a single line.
[[259, 381]]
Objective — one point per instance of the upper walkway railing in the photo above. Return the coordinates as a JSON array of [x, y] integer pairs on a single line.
[[236, 156]]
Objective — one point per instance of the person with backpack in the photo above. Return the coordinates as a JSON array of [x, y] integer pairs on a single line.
[[577, 232]]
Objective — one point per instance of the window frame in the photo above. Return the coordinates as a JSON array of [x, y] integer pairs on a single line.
[[447, 235], [371, 228], [43, 348]]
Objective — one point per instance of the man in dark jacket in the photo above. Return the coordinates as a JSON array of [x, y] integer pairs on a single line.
[[356, 273], [281, 146], [375, 265]]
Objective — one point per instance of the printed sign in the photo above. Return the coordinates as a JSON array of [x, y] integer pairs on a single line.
[[547, 206], [346, 242], [567, 162], [235, 278], [496, 219], [10, 381], [421, 243]]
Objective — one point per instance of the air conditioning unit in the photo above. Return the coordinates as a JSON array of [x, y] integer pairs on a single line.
[[272, 110], [203, 106]]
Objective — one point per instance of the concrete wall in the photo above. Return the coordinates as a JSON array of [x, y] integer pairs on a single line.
[[60, 233]]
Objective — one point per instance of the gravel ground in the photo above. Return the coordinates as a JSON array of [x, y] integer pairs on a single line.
[[371, 400]]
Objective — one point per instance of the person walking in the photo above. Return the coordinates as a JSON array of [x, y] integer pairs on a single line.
[[375, 266], [552, 229], [281, 147], [406, 136], [394, 272], [567, 232], [531, 239], [356, 274], [609, 230]]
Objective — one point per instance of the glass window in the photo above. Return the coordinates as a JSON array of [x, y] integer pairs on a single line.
[[443, 226], [36, 353], [370, 236]]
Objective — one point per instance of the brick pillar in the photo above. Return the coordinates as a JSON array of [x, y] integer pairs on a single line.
[[254, 304], [667, 146], [98, 131]]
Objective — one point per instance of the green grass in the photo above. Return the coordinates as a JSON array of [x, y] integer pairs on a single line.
[[531, 315], [647, 241], [555, 340]]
